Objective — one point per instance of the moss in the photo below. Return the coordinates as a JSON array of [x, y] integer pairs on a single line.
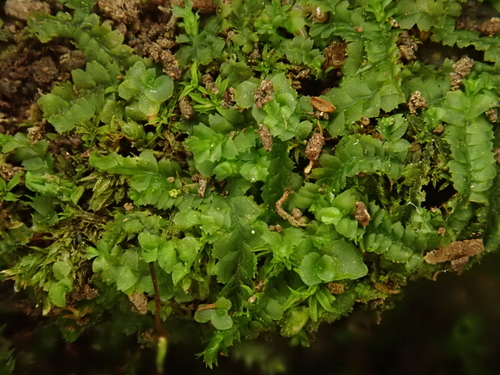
[[235, 181]]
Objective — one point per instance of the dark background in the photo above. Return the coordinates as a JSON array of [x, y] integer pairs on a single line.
[[449, 326]]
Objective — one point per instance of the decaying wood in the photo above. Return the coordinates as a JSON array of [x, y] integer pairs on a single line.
[[457, 252]]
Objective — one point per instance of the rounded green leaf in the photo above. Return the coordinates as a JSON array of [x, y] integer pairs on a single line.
[[223, 303], [347, 259], [274, 309], [203, 316], [308, 269], [128, 89], [52, 104], [58, 291], [167, 256], [347, 227], [126, 279], [179, 271], [149, 246], [61, 269], [325, 268], [296, 319], [161, 89], [244, 94], [147, 106], [188, 249], [83, 80], [329, 215], [345, 201], [221, 320]]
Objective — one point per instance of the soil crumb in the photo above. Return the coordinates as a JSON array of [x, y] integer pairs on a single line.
[[121, 11], [416, 102], [21, 9], [490, 27], [264, 93], [407, 46], [462, 68]]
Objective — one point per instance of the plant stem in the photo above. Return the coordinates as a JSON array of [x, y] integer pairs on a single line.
[[162, 340]]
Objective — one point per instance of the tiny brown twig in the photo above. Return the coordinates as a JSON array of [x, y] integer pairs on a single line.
[[285, 215]]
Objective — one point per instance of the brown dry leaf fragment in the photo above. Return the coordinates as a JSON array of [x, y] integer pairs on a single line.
[[416, 101], [361, 214], [265, 137], [322, 105], [264, 93], [139, 301], [314, 146], [458, 252], [439, 129]]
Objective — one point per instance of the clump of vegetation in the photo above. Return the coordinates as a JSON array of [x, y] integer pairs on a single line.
[[289, 161]]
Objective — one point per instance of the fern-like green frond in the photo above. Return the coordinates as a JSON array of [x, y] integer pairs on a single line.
[[470, 136], [107, 58], [361, 154], [152, 182], [68, 104]]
